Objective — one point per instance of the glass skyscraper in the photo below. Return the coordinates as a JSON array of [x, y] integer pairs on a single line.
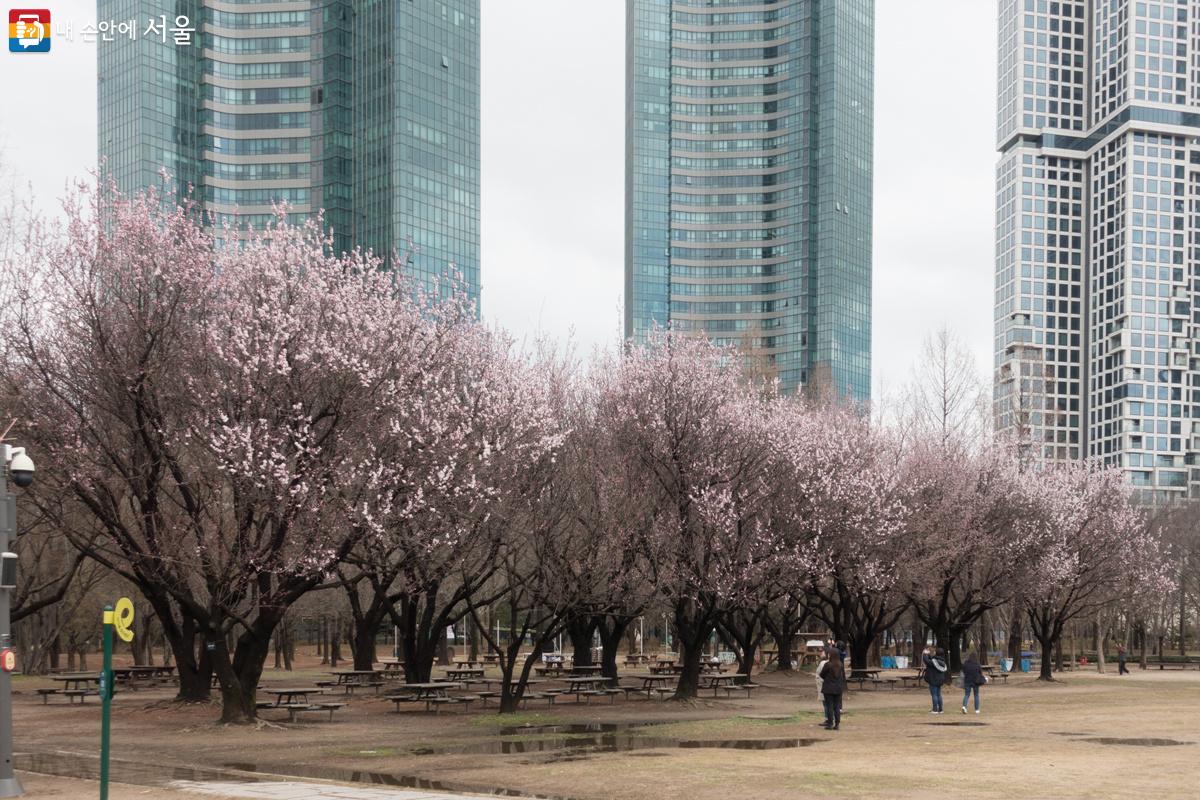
[[1097, 307], [749, 180], [368, 110]]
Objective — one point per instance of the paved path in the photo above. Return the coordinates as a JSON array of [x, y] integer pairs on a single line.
[[296, 790]]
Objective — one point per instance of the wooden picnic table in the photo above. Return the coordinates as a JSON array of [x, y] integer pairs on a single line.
[[594, 669], [636, 658], [491, 658], [460, 674], [423, 691], [665, 668], [78, 680], [649, 681], [468, 663], [391, 666], [290, 695], [348, 676], [488, 682], [715, 682], [554, 668]]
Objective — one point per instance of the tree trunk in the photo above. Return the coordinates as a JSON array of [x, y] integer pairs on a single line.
[[443, 649], [1045, 673], [1014, 639], [783, 647], [193, 662], [579, 631], [363, 646], [693, 625], [612, 628]]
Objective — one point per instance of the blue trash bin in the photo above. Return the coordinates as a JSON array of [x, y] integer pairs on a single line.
[[1025, 665]]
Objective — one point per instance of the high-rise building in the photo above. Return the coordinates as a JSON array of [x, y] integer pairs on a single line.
[[748, 180], [367, 110], [1097, 301]]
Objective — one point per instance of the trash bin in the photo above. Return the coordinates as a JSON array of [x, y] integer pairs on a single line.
[[901, 662], [887, 662], [1006, 665], [1025, 666]]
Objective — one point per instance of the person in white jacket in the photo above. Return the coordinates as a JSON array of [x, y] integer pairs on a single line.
[[821, 683]]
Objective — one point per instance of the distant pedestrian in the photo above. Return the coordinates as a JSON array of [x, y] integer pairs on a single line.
[[833, 684], [817, 674], [935, 675], [1121, 655], [973, 678]]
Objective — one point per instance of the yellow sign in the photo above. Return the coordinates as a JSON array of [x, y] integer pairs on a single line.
[[121, 617]]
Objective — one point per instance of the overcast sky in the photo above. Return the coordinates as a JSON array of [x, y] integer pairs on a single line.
[[553, 164]]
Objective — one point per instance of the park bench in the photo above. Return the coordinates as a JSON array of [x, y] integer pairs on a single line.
[[549, 696], [1181, 662], [632, 690], [71, 694], [664, 691], [891, 682], [323, 684], [739, 687], [45, 693]]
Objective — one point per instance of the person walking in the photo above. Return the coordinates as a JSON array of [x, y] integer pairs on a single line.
[[1122, 654], [973, 678], [833, 683], [935, 676]]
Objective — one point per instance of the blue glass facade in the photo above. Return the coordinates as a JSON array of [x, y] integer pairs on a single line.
[[368, 110], [748, 180]]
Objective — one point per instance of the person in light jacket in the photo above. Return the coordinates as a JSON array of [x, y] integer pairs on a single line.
[[817, 675], [935, 676], [973, 678]]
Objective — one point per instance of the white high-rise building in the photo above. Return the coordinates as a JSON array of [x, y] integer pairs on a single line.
[[1097, 306]]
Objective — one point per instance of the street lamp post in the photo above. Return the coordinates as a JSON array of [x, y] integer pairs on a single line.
[[18, 468]]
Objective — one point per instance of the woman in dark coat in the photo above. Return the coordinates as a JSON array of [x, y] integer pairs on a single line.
[[833, 683], [935, 676], [973, 678]]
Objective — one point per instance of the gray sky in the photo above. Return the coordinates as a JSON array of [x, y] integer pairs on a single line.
[[553, 164]]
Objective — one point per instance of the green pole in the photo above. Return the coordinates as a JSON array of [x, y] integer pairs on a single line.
[[106, 678]]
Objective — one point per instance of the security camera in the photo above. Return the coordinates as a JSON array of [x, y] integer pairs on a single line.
[[21, 468]]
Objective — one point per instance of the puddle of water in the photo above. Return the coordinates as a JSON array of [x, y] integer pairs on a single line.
[[381, 779], [70, 765], [574, 729], [1139, 742], [608, 743]]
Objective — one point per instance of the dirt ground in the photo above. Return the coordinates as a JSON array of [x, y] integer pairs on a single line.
[[1090, 735]]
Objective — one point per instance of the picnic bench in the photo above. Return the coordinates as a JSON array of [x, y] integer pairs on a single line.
[[293, 695], [461, 674], [717, 682], [350, 679], [1181, 662], [294, 709], [418, 692], [649, 684]]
